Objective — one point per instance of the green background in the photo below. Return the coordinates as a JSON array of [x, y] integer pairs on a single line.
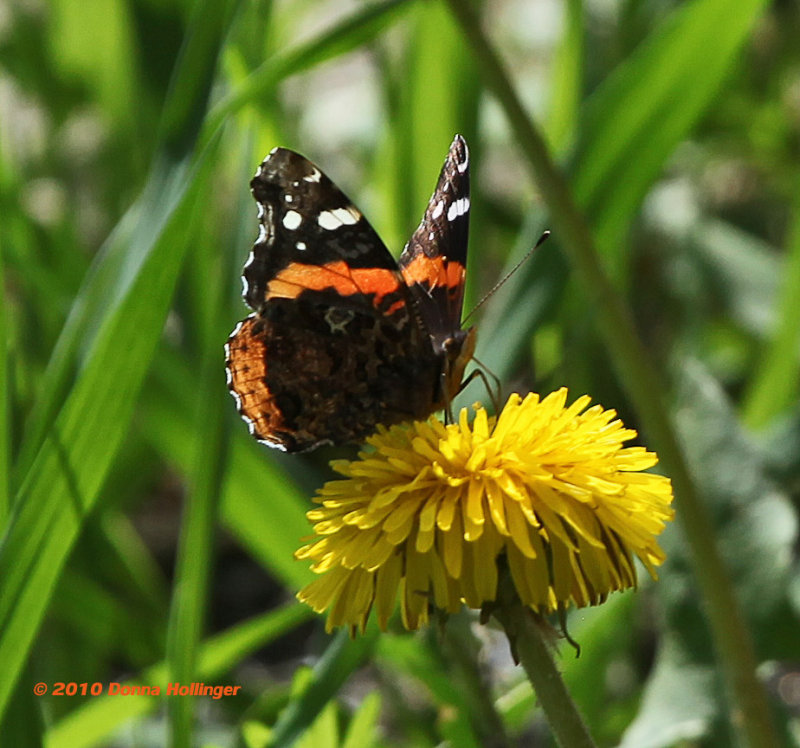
[[148, 539]]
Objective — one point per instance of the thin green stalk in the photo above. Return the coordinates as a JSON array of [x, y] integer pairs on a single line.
[[774, 385], [196, 66], [645, 388], [568, 70], [208, 460], [195, 550], [532, 650], [5, 411], [196, 544], [195, 554]]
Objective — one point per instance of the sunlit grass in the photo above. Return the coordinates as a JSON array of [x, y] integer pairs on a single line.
[[125, 152]]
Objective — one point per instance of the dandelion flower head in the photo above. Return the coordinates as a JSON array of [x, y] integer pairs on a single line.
[[433, 514]]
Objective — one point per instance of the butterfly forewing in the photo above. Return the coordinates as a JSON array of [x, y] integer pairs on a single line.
[[305, 218], [433, 262]]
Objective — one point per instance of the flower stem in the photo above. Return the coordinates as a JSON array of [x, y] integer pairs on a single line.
[[643, 383], [530, 647]]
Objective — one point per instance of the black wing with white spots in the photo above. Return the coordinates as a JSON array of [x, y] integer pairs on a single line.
[[304, 217], [433, 262]]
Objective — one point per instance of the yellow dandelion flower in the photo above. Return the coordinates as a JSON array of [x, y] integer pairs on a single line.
[[434, 513]]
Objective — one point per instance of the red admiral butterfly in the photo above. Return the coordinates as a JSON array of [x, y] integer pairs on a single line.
[[342, 337]]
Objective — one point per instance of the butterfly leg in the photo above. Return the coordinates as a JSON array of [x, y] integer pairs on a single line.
[[483, 373]]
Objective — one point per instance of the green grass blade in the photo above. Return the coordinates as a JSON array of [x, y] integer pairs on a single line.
[[65, 479], [109, 278], [209, 447], [77, 450], [629, 128], [562, 117], [774, 385], [186, 105], [260, 504], [265, 510], [105, 64], [138, 566], [441, 99], [5, 399], [362, 731], [105, 283], [345, 36], [648, 105], [195, 547], [341, 658], [23, 726]]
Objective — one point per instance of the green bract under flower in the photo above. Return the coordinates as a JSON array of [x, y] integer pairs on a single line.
[[434, 510]]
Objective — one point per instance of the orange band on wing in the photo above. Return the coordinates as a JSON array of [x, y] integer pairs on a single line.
[[433, 272], [290, 282]]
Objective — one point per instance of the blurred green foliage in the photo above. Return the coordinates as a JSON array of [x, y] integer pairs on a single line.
[[146, 535]]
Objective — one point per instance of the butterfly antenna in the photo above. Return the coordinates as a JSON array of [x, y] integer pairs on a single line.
[[511, 272]]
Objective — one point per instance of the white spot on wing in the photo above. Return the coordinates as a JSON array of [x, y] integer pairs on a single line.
[[313, 177], [328, 221], [300, 245], [292, 220], [333, 219], [438, 210], [462, 166], [288, 197], [458, 208]]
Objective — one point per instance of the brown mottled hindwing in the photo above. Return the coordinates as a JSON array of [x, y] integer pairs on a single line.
[[330, 372]]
